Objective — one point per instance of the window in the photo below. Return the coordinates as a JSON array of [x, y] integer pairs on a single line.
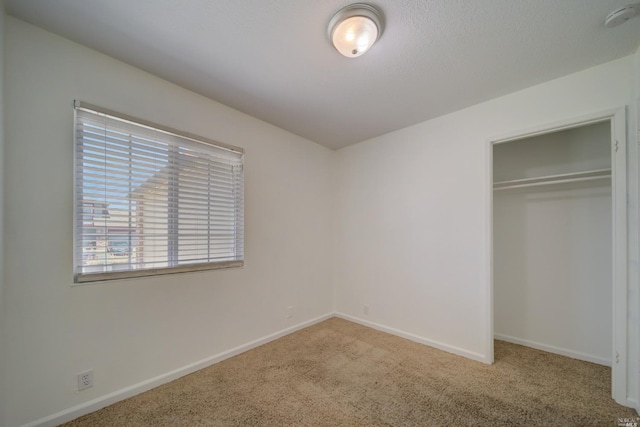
[[151, 200]]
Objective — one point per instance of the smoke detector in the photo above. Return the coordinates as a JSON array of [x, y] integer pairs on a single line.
[[622, 15]]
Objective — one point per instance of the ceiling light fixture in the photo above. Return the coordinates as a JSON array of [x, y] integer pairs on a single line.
[[355, 28]]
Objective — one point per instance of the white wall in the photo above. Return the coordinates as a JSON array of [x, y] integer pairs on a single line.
[[2, 306], [552, 245], [412, 211], [132, 330]]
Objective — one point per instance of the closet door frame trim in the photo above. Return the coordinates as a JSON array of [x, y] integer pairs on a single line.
[[617, 118]]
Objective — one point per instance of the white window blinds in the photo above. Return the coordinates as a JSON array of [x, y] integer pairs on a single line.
[[151, 200]]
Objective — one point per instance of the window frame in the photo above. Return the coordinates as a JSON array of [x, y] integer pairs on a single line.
[[80, 277]]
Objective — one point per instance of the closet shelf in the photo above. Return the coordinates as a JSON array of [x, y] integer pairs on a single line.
[[553, 179]]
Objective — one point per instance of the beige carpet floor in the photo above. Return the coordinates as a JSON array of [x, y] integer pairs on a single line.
[[337, 373]]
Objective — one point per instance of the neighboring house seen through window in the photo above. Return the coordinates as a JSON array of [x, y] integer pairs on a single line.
[[151, 200]]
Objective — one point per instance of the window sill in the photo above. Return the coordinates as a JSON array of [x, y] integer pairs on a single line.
[[81, 278]]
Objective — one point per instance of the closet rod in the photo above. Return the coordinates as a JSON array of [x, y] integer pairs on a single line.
[[554, 178], [555, 181], [594, 172]]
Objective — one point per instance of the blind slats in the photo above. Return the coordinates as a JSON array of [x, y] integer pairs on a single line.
[[148, 200], [102, 154]]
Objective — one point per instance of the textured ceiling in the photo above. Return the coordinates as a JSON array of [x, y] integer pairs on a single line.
[[272, 59]]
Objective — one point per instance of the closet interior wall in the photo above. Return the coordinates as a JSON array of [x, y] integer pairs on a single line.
[[552, 228]]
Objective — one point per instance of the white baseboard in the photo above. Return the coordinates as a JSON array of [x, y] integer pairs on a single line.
[[553, 349], [421, 340], [111, 398], [632, 403]]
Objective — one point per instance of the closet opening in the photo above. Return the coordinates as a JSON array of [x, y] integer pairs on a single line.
[[558, 241]]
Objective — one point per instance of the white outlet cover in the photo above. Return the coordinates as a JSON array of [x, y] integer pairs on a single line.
[[85, 380]]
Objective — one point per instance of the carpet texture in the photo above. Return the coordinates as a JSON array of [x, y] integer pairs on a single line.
[[338, 373]]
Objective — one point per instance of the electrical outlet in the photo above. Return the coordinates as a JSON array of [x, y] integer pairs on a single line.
[[365, 309], [85, 379], [289, 312]]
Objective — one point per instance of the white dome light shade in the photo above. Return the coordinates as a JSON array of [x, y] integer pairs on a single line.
[[354, 36], [354, 29]]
